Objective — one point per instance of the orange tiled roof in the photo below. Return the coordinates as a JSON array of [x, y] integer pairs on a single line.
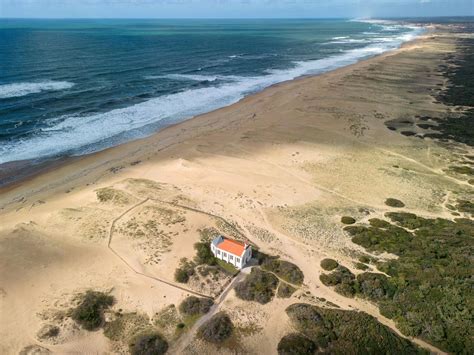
[[232, 246]]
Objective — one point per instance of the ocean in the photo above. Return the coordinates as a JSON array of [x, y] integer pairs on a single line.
[[72, 87]]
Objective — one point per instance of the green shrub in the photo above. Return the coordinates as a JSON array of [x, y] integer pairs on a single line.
[[465, 206], [90, 311], [296, 344], [407, 220], [347, 220], [464, 170], [329, 264], [148, 344], [195, 306], [204, 254], [361, 266], [393, 202], [184, 271], [379, 223], [217, 329], [347, 332], [258, 286], [343, 280], [285, 290], [284, 269]]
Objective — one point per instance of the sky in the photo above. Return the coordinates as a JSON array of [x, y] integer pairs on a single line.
[[234, 8]]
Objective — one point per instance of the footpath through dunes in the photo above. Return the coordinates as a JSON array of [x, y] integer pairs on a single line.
[[281, 167]]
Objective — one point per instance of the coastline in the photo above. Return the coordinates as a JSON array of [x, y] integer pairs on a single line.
[[17, 173], [282, 166]]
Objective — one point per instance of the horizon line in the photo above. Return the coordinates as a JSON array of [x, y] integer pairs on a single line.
[[234, 18]]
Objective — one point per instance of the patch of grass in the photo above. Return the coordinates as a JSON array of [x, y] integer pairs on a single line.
[[347, 332], [151, 343], [258, 286], [227, 268], [89, 313], [296, 344], [347, 220], [184, 271], [195, 306], [126, 326], [108, 194], [217, 329], [429, 291], [329, 264], [393, 202], [285, 290], [284, 269]]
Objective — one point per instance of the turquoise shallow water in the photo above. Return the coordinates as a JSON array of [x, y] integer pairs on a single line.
[[70, 87]]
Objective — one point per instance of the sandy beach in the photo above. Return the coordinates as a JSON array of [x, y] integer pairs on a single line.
[[280, 167]]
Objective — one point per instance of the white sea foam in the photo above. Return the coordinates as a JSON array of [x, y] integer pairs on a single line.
[[22, 89], [194, 77], [81, 134]]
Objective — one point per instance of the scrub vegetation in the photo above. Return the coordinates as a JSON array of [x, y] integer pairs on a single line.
[[217, 329], [333, 331], [428, 291], [89, 313]]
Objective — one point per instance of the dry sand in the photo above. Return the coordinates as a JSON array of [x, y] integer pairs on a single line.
[[279, 168]]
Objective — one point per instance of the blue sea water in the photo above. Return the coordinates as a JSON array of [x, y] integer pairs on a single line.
[[70, 87]]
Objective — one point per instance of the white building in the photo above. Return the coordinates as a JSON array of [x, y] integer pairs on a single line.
[[231, 251]]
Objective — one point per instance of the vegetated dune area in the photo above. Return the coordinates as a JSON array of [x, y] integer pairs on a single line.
[[354, 187]]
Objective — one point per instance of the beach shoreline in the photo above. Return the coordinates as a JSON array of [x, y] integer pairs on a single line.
[[14, 174]]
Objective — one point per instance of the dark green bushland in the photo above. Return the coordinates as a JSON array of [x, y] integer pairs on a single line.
[[284, 269], [347, 332], [217, 329], [347, 220], [343, 280], [296, 344], [329, 264], [393, 202], [258, 286], [285, 290], [90, 311], [429, 291], [195, 306], [465, 206], [148, 344]]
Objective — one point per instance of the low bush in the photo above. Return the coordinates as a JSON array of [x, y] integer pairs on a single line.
[[329, 264], [184, 271], [465, 206], [393, 202], [347, 220], [217, 329], [285, 290], [192, 306], [284, 269], [347, 332], [379, 223], [148, 344], [361, 266], [296, 344], [258, 286], [89, 314], [343, 280], [204, 254]]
